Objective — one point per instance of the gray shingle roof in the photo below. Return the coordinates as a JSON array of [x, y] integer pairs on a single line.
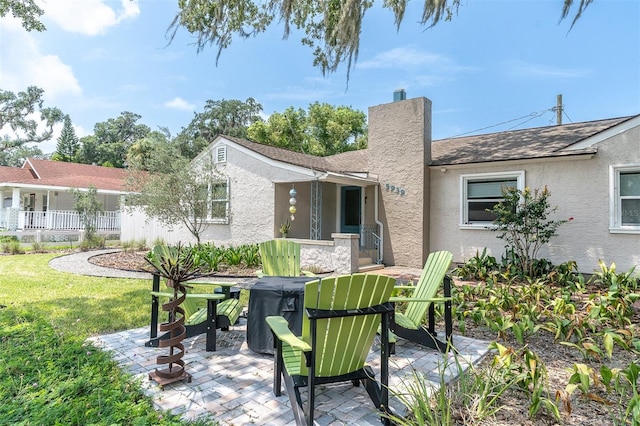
[[539, 142], [352, 161]]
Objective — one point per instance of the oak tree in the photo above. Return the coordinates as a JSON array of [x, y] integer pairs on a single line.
[[331, 28]]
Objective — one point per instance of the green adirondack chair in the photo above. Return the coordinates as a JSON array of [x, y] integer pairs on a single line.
[[409, 324], [342, 316], [206, 310], [280, 258]]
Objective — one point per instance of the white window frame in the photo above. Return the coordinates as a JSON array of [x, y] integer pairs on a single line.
[[219, 220], [615, 200], [464, 202]]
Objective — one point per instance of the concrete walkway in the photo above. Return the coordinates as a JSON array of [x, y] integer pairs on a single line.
[[234, 385], [78, 263]]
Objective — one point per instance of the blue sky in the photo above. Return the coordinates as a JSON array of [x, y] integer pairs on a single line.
[[499, 61]]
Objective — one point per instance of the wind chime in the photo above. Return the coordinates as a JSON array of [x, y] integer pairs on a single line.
[[292, 202]]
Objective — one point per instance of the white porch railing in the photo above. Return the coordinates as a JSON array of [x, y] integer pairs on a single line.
[[63, 220]]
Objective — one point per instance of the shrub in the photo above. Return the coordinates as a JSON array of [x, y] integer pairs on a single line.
[[14, 247], [480, 267], [37, 247], [522, 221]]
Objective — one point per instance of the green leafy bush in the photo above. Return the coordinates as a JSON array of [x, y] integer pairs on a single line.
[[522, 220]]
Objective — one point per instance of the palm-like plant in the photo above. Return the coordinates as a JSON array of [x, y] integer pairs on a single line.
[[176, 264]]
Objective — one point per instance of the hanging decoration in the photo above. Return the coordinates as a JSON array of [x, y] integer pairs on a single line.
[[292, 202]]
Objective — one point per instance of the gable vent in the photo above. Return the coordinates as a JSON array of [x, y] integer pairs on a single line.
[[221, 154]]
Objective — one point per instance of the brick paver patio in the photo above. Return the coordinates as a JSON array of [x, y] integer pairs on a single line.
[[234, 385]]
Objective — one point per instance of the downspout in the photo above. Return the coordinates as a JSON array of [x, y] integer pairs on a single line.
[[380, 226]]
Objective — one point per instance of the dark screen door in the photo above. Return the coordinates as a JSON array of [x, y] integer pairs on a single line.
[[350, 215]]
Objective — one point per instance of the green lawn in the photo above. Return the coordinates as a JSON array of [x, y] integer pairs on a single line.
[[47, 373]]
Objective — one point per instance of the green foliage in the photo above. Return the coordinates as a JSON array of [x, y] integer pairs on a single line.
[[522, 220], [595, 324], [331, 29], [68, 143], [15, 156], [48, 374], [110, 143], [169, 187], [88, 206], [141, 154], [284, 227], [230, 117], [175, 263], [48, 377], [482, 267], [207, 258], [323, 130], [16, 111], [28, 11], [12, 246], [37, 247]]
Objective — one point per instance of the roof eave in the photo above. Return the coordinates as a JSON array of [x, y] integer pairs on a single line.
[[553, 157]]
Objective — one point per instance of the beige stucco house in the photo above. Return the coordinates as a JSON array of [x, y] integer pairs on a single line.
[[406, 195]]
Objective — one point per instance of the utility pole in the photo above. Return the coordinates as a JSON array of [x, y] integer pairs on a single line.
[[559, 110]]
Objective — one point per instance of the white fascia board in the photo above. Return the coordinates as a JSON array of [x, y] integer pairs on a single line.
[[344, 179], [606, 134], [32, 168], [58, 188], [274, 163], [518, 163]]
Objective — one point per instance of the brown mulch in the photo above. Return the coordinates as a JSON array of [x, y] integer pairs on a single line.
[[135, 261], [558, 359]]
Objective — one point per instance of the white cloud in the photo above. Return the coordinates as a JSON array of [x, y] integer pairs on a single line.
[[523, 69], [31, 67], [179, 103], [404, 57], [88, 17]]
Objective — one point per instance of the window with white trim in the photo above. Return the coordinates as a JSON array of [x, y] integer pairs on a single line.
[[625, 198], [480, 192], [218, 211]]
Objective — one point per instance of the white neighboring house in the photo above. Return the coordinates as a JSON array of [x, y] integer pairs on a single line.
[[406, 195], [37, 198]]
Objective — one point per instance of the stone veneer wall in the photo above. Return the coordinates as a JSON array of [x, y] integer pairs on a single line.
[[399, 152], [339, 256]]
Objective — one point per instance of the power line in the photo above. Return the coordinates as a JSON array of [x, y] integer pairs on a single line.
[[529, 117]]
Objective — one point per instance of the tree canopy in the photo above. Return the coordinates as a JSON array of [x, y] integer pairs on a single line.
[[323, 130], [230, 117], [15, 156], [68, 143], [109, 144], [166, 186], [27, 11], [331, 27], [16, 117]]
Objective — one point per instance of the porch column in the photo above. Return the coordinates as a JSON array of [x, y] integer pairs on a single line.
[[15, 199], [16, 218], [346, 253]]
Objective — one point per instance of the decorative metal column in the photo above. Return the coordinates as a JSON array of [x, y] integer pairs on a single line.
[[175, 370], [315, 229]]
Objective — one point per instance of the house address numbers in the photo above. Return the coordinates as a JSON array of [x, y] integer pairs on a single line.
[[396, 189]]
